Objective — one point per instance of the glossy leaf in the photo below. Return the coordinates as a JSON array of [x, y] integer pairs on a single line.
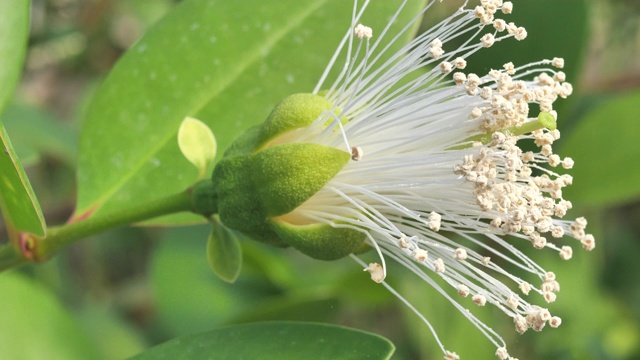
[[18, 202], [225, 62], [604, 146], [35, 326], [224, 252], [277, 340]]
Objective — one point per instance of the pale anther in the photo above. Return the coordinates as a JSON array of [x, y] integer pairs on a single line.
[[438, 265], [525, 288], [363, 32], [376, 271], [555, 321], [451, 356], [479, 299], [507, 7], [434, 221], [488, 40], [566, 253], [420, 255], [557, 63], [356, 153], [588, 243], [460, 254], [463, 290], [502, 353]]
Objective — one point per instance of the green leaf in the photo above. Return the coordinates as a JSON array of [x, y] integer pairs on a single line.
[[36, 132], [18, 202], [14, 27], [225, 62], [277, 340], [224, 252], [602, 144], [35, 325], [114, 337], [197, 144]]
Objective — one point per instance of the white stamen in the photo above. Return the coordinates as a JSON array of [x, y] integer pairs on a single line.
[[444, 164]]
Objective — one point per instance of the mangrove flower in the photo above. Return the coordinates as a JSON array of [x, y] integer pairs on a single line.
[[422, 162]]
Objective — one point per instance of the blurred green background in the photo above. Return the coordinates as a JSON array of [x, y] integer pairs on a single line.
[[115, 294]]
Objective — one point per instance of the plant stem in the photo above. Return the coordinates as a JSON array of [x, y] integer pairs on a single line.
[[10, 257], [42, 248]]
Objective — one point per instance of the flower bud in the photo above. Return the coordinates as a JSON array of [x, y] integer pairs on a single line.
[[263, 177]]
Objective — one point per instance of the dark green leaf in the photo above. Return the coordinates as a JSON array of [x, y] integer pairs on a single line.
[[277, 340], [226, 63], [603, 144]]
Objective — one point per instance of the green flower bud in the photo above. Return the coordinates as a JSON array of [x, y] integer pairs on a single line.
[[263, 177]]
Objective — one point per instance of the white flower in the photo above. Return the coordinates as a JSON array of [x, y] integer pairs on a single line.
[[438, 177]]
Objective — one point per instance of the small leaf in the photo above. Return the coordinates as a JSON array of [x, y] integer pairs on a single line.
[[224, 252], [275, 340], [197, 143], [603, 144]]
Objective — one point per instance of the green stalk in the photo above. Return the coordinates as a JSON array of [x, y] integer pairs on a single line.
[[41, 248], [545, 120], [10, 257]]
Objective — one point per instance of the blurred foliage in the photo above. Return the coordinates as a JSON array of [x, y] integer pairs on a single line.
[[115, 294]]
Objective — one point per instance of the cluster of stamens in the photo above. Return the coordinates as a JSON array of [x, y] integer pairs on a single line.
[[458, 169]]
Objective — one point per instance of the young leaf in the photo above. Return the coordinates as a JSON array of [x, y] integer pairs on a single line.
[[18, 202], [197, 143], [275, 340], [225, 62], [224, 252]]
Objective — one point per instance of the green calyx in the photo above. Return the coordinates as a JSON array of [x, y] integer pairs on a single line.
[[296, 111], [264, 176], [320, 241]]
